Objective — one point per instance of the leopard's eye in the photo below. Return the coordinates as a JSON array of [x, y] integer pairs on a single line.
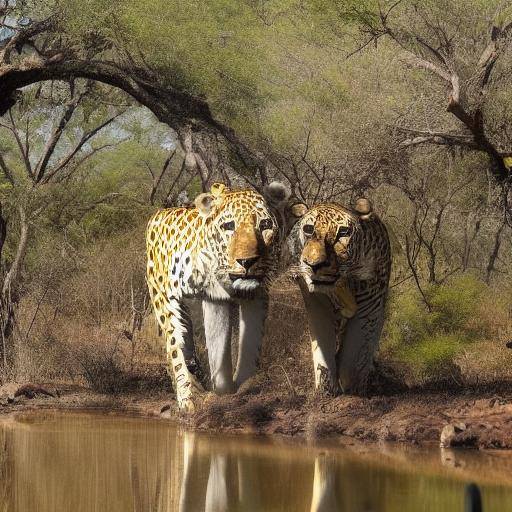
[[266, 224], [228, 226], [343, 231], [308, 229]]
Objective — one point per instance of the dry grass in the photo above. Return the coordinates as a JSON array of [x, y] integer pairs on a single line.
[[286, 353], [485, 363], [93, 327]]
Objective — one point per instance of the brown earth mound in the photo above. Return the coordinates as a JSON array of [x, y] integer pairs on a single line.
[[483, 418]]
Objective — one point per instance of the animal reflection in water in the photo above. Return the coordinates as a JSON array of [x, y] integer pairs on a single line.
[[234, 481], [84, 463]]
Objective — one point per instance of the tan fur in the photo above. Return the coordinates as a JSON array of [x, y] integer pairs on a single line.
[[344, 268], [245, 243]]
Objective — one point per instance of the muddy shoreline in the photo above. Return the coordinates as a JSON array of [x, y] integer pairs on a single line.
[[472, 418]]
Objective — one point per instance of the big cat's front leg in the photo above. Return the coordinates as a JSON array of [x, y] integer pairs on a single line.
[[252, 320], [174, 324], [217, 330], [322, 326]]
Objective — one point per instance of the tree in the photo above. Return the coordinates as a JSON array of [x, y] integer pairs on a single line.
[[58, 45], [40, 149], [464, 47]]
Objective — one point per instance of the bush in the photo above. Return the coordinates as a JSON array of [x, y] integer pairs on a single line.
[[101, 367], [427, 342], [456, 304], [432, 358]]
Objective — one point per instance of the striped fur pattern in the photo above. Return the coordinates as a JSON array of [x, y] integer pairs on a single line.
[[343, 265]]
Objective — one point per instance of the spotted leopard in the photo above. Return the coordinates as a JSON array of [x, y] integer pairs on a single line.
[[223, 250]]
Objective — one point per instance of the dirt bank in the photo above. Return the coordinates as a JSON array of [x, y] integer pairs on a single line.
[[479, 419], [475, 418]]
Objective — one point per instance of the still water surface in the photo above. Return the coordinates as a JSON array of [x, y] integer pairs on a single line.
[[74, 462]]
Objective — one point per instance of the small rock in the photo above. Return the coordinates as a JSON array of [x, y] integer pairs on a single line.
[[165, 412], [449, 433]]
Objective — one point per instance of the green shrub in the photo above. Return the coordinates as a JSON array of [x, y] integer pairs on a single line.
[[426, 339], [455, 304], [432, 358]]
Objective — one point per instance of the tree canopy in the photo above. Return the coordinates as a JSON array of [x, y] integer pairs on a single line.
[[274, 76]]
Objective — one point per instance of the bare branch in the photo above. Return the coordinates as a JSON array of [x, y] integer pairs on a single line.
[[54, 138], [157, 180], [78, 163], [22, 149], [419, 62], [85, 138], [7, 172]]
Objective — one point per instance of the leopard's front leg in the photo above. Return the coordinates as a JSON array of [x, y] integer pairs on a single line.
[[360, 339], [217, 329], [174, 324], [252, 321], [322, 327]]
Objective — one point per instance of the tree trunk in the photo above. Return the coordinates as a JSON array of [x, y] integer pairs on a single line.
[[12, 274], [3, 234], [8, 292], [494, 254]]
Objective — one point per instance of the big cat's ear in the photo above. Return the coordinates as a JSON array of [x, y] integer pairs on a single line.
[[204, 203], [298, 210], [276, 194], [364, 208]]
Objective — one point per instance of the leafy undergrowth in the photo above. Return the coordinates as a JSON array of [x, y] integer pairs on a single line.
[[459, 337]]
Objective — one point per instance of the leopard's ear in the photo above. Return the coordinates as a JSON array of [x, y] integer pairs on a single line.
[[218, 189], [205, 204], [277, 195], [298, 210], [364, 208]]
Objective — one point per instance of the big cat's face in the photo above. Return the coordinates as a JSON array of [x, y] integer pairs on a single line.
[[325, 234], [247, 233]]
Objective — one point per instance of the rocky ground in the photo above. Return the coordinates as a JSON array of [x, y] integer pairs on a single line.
[[473, 418]]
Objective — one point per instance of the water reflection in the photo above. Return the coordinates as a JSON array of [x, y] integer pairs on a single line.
[[82, 462], [217, 480]]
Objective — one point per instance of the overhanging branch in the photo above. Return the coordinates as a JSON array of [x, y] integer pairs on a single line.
[[171, 106]]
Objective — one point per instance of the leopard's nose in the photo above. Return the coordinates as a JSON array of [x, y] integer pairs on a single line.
[[247, 263]]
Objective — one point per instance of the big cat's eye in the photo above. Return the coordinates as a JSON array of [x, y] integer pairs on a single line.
[[228, 226], [308, 229], [266, 224], [343, 231]]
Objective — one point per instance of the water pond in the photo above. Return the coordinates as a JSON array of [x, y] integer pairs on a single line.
[[74, 462]]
